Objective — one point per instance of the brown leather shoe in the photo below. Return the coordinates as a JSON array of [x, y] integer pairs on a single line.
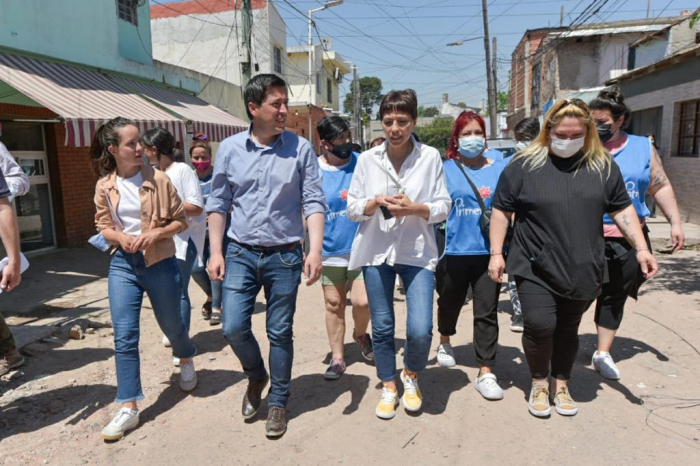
[[276, 422], [10, 360], [253, 397]]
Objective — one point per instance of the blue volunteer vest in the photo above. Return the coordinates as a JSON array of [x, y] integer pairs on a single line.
[[494, 154], [463, 234], [634, 161], [340, 230]]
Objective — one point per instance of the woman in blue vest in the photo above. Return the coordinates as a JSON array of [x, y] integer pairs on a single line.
[[466, 259], [338, 162], [643, 173]]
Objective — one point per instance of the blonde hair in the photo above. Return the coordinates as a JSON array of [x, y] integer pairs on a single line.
[[595, 156]]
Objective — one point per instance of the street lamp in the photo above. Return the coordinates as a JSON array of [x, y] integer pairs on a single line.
[[311, 23]]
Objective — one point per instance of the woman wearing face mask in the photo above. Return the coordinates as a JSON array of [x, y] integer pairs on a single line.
[[158, 145], [558, 189], [338, 162], [138, 212], [200, 154], [643, 172], [397, 194], [466, 259]]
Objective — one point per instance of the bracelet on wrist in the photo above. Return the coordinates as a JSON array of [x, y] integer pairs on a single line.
[[640, 250], [496, 254]]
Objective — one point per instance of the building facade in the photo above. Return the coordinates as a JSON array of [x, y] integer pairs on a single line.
[[56, 88]]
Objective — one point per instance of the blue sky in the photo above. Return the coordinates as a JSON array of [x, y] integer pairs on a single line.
[[404, 42]]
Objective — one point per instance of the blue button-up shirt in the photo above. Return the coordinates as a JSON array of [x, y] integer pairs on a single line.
[[269, 188]]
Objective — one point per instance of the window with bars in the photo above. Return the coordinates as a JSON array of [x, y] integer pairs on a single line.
[[689, 131], [329, 90], [126, 10], [277, 59]]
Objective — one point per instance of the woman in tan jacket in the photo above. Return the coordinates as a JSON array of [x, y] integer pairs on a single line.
[[138, 212]]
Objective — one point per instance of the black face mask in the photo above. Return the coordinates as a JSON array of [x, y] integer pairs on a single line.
[[342, 151], [605, 132]]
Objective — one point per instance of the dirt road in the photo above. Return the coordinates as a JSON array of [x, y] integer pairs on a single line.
[[53, 410]]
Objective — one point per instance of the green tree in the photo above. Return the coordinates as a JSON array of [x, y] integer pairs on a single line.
[[370, 95], [437, 133], [502, 101], [462, 104], [428, 111]]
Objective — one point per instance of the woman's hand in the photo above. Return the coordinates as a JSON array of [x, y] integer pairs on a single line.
[[382, 200], [677, 238], [496, 268], [145, 240], [127, 243], [648, 263]]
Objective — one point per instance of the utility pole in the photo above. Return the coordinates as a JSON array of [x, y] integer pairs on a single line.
[[494, 69], [489, 76], [356, 106], [648, 8], [561, 17], [247, 16]]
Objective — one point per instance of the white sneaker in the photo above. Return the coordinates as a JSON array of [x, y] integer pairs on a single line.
[[446, 355], [603, 363], [126, 419], [176, 362], [166, 342], [488, 386], [188, 377]]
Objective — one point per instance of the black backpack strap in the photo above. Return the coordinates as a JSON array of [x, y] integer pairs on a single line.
[[471, 183]]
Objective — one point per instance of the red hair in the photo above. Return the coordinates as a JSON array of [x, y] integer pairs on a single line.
[[463, 120]]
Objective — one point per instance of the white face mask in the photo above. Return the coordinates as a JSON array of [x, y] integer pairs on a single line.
[[520, 145], [566, 148]]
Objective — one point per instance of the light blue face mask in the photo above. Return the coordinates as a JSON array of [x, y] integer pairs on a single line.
[[471, 146]]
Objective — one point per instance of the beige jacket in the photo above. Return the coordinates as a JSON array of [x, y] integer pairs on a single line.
[[160, 206]]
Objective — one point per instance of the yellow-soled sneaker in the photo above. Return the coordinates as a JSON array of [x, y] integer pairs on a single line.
[[386, 409], [412, 398]]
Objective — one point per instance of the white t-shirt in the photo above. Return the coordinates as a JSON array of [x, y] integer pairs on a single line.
[[187, 186], [129, 207]]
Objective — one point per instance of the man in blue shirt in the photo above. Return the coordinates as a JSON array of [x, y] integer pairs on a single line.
[[270, 179], [10, 276]]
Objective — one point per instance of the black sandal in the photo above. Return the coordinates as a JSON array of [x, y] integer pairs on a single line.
[[215, 318], [206, 310]]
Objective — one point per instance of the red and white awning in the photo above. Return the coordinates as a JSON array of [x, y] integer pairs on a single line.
[[206, 118], [84, 98]]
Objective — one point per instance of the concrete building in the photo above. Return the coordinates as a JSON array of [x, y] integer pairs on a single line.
[[329, 69], [664, 96], [66, 67], [209, 36]]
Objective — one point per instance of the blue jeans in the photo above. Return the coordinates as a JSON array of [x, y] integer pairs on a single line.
[[420, 286], [279, 274], [128, 279], [186, 271], [199, 274]]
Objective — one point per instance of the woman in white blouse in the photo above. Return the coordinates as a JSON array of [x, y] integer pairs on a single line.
[[397, 192]]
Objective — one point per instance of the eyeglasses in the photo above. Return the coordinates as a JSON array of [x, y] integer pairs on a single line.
[[200, 137]]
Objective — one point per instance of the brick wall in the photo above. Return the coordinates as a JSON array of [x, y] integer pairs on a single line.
[[72, 180]]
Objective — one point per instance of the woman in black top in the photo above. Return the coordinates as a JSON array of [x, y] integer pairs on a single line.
[[558, 189]]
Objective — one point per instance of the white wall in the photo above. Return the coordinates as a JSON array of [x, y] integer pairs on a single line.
[[213, 49]]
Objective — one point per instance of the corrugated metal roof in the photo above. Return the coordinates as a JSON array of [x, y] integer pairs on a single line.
[[612, 30]]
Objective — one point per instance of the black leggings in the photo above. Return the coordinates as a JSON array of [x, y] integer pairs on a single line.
[[624, 279], [453, 277], [551, 329]]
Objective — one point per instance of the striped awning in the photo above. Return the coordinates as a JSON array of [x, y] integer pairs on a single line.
[[84, 98], [206, 118]]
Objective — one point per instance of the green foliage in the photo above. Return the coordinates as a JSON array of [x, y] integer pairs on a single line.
[[694, 19], [428, 111], [437, 133], [370, 95], [462, 104], [501, 102]]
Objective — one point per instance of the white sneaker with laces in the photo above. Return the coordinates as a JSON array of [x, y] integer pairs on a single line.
[[446, 355], [126, 419], [176, 362], [487, 385], [603, 363], [188, 376], [165, 341]]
